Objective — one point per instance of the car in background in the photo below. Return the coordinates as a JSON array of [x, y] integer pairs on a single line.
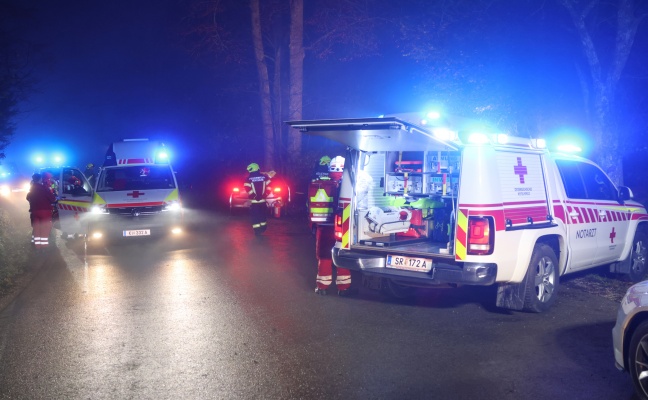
[[630, 337], [12, 182], [279, 198]]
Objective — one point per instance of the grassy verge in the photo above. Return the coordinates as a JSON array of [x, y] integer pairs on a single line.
[[14, 251]]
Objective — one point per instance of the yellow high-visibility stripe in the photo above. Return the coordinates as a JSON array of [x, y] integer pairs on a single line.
[[172, 196], [460, 248], [98, 200], [346, 214], [321, 210], [321, 197]]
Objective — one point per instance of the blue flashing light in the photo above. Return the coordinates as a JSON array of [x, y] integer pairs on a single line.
[[478, 138], [569, 148], [433, 115]]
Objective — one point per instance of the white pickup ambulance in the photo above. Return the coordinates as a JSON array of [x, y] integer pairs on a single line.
[[136, 194], [422, 206]]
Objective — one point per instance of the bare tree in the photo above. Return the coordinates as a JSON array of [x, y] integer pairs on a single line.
[[340, 28], [605, 71], [15, 72]]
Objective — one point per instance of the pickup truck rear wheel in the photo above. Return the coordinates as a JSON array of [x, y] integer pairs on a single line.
[[638, 255], [541, 279]]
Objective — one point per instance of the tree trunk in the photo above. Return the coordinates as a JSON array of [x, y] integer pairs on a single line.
[[264, 87], [606, 132], [296, 74], [277, 95]]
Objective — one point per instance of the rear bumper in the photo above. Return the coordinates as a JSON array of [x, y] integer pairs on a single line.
[[441, 273]]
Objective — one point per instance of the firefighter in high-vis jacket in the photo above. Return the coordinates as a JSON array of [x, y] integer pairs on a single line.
[[257, 186], [323, 193]]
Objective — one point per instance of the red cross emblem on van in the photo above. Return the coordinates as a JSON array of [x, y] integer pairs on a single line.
[[520, 169], [135, 194]]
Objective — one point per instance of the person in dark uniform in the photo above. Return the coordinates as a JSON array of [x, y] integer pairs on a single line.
[[257, 186], [40, 200]]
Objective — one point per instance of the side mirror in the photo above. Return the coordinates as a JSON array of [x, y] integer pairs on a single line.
[[625, 193]]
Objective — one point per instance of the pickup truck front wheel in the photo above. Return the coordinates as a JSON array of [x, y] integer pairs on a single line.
[[638, 255], [541, 279]]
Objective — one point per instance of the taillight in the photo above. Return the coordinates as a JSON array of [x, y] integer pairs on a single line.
[[277, 189], [480, 240], [338, 227], [235, 190]]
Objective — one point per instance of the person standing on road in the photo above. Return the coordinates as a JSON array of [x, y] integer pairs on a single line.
[[40, 201], [324, 201], [257, 186]]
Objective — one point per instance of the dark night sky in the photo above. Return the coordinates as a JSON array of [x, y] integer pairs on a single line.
[[115, 69]]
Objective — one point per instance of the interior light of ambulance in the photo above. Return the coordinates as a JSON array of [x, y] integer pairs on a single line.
[[479, 236], [569, 148]]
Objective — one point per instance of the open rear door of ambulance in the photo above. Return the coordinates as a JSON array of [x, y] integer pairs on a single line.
[[376, 134]]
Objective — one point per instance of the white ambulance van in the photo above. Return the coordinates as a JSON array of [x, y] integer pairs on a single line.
[[136, 193], [422, 206]]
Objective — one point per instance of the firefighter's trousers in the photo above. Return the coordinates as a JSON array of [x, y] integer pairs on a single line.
[[42, 224], [259, 215], [324, 242]]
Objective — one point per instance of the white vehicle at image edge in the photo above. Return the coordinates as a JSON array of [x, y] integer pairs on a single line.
[[450, 203], [630, 337]]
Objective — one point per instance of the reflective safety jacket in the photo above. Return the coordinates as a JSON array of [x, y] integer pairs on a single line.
[[257, 186]]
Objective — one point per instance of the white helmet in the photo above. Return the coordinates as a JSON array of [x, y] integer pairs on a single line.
[[337, 164]]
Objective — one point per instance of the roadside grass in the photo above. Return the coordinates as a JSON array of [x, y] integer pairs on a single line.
[[14, 251], [598, 281]]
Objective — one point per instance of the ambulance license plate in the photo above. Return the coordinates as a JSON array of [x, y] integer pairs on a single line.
[[409, 263], [138, 232]]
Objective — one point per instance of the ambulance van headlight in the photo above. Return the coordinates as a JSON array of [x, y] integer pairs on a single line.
[[99, 209], [172, 206], [97, 235], [5, 190]]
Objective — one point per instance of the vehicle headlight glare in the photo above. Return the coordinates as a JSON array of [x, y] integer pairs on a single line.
[[173, 206], [5, 190], [99, 209]]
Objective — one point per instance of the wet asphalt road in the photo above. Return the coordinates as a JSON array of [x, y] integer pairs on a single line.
[[226, 315]]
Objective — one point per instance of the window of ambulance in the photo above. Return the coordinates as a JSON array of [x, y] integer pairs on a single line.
[[74, 183], [585, 181], [136, 177]]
